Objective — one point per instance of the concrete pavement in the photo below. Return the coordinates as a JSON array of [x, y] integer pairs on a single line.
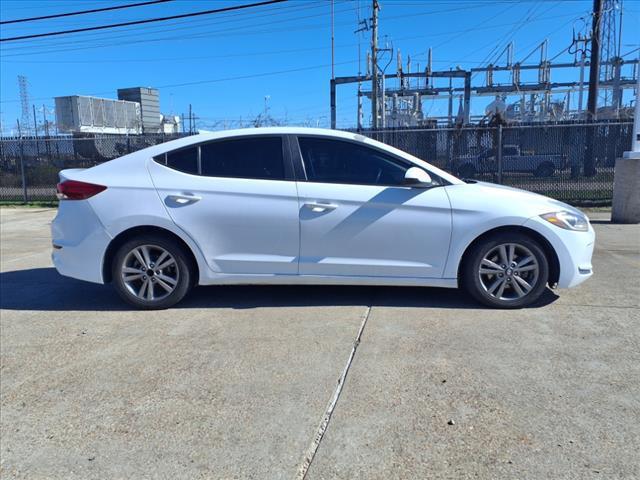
[[234, 382]]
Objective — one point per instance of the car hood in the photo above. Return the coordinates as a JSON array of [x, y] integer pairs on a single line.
[[503, 200]]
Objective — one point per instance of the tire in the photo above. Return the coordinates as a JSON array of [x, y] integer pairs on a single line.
[[544, 170], [467, 171], [487, 288], [165, 286]]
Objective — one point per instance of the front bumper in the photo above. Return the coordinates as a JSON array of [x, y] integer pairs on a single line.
[[79, 241], [574, 250]]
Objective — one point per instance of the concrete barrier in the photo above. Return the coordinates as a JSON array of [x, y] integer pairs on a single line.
[[626, 189]]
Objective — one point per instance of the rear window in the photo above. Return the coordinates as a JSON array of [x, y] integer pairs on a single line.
[[184, 160]]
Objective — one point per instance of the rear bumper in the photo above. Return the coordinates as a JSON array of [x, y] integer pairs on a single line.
[[79, 240], [574, 251]]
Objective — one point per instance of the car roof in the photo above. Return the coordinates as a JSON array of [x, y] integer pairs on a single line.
[[204, 136]]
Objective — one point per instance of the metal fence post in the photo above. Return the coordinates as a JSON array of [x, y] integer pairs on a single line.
[[499, 151], [22, 173]]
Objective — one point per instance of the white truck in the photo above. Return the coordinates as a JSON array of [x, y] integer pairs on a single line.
[[513, 161]]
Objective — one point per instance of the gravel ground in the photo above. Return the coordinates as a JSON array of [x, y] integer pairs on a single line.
[[234, 382]]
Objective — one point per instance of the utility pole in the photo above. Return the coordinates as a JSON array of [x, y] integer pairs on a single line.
[[46, 131], [374, 65], [357, 32], [583, 58], [35, 122], [594, 81], [35, 129], [25, 197], [450, 103], [333, 58], [44, 121], [190, 120], [594, 67], [635, 140]]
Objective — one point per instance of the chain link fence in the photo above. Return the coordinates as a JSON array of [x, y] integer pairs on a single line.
[[572, 162], [29, 166]]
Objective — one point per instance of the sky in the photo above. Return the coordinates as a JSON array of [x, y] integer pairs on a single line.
[[231, 66]]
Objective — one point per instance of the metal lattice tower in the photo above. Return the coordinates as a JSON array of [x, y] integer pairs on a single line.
[[25, 121], [610, 28]]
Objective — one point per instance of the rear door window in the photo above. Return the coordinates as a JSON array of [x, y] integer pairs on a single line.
[[184, 160], [250, 157]]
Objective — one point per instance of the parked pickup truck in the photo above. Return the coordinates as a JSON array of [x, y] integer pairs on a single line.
[[513, 160]]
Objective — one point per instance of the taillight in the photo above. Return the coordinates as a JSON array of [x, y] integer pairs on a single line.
[[74, 190]]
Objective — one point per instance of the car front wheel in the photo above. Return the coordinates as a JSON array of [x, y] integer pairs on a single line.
[[151, 272], [506, 271]]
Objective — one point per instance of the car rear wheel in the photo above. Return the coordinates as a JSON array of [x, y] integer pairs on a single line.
[[544, 170], [151, 272], [506, 271]]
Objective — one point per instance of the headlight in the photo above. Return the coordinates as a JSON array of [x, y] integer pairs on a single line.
[[568, 220]]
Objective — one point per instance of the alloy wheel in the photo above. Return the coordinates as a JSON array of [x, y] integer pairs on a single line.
[[150, 272], [509, 272]]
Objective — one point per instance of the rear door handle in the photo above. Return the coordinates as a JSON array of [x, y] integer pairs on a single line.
[[183, 199], [320, 207]]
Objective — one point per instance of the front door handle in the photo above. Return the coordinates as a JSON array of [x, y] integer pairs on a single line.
[[319, 207], [183, 199]]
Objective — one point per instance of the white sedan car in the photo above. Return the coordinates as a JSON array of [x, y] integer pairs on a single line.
[[307, 206]]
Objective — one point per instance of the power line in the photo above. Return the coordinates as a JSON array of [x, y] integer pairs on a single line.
[[528, 19], [549, 33], [83, 12], [222, 79], [233, 30], [297, 50], [630, 52], [139, 22], [49, 4], [181, 59], [510, 35], [183, 25], [185, 30], [477, 27], [254, 75], [110, 38]]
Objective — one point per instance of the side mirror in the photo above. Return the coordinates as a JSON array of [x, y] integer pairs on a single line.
[[416, 177]]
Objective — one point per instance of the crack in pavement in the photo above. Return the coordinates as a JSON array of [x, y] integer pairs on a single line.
[[326, 417]]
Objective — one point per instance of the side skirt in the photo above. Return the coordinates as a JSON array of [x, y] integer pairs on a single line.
[[327, 280]]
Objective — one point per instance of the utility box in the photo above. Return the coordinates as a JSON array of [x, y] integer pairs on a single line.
[[149, 100]]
